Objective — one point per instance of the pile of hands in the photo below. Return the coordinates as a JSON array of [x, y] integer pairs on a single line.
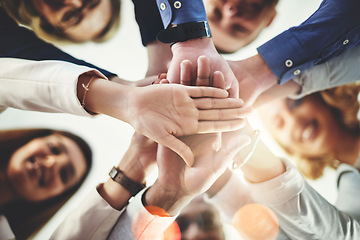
[[208, 132]]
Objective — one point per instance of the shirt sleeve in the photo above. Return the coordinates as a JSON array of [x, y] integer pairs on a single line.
[[348, 184], [92, 219], [301, 211], [138, 223], [20, 42], [338, 71], [332, 29], [183, 11], [148, 19], [46, 86]]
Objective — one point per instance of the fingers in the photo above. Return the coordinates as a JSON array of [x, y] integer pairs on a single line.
[[197, 92], [203, 71], [180, 148], [220, 126], [224, 114], [212, 103], [185, 73], [218, 80]]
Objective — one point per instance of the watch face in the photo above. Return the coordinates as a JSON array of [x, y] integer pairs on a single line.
[[113, 173]]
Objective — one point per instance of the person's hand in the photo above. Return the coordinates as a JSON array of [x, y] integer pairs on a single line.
[[177, 183], [191, 50], [162, 112], [254, 77]]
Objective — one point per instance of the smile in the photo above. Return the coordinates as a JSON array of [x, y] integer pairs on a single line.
[[309, 132]]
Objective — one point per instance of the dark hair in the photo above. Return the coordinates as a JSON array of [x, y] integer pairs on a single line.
[[25, 217], [24, 12]]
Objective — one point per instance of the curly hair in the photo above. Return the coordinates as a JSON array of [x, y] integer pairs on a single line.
[[25, 13], [344, 105]]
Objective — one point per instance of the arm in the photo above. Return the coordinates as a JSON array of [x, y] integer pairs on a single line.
[[301, 211], [331, 30], [98, 213], [338, 71], [184, 112], [175, 186]]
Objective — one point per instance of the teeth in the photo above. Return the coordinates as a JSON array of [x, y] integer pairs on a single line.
[[307, 132]]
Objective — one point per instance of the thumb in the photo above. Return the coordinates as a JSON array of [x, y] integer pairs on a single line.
[[232, 143], [180, 148]]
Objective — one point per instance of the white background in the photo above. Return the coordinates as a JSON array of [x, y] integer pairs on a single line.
[[126, 56]]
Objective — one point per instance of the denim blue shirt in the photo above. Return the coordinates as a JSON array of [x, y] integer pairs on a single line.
[[332, 29], [154, 15]]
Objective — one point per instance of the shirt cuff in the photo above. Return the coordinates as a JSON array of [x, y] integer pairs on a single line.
[[181, 11], [285, 56], [279, 190], [144, 224]]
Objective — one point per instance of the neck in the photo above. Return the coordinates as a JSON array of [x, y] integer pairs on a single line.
[[348, 149], [6, 194]]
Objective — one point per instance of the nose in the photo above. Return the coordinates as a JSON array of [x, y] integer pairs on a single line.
[[230, 10], [49, 161], [74, 3]]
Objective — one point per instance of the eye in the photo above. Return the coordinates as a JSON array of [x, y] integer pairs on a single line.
[[72, 17], [93, 4], [293, 104], [54, 149]]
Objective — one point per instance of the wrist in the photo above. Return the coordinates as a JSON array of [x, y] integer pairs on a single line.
[[172, 201], [109, 98], [269, 78], [198, 43], [114, 194]]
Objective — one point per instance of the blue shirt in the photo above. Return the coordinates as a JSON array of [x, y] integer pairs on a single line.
[[332, 29], [153, 16], [20, 42]]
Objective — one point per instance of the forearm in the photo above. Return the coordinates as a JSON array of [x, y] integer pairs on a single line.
[[331, 30], [105, 97], [47, 86], [253, 73], [159, 57], [263, 165]]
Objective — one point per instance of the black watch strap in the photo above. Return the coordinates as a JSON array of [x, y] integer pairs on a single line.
[[118, 176], [184, 31]]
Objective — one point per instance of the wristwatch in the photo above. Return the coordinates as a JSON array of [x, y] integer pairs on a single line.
[[184, 31], [118, 176]]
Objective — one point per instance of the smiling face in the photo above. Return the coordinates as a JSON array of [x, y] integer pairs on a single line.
[[80, 20], [236, 23], [308, 130], [46, 167]]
